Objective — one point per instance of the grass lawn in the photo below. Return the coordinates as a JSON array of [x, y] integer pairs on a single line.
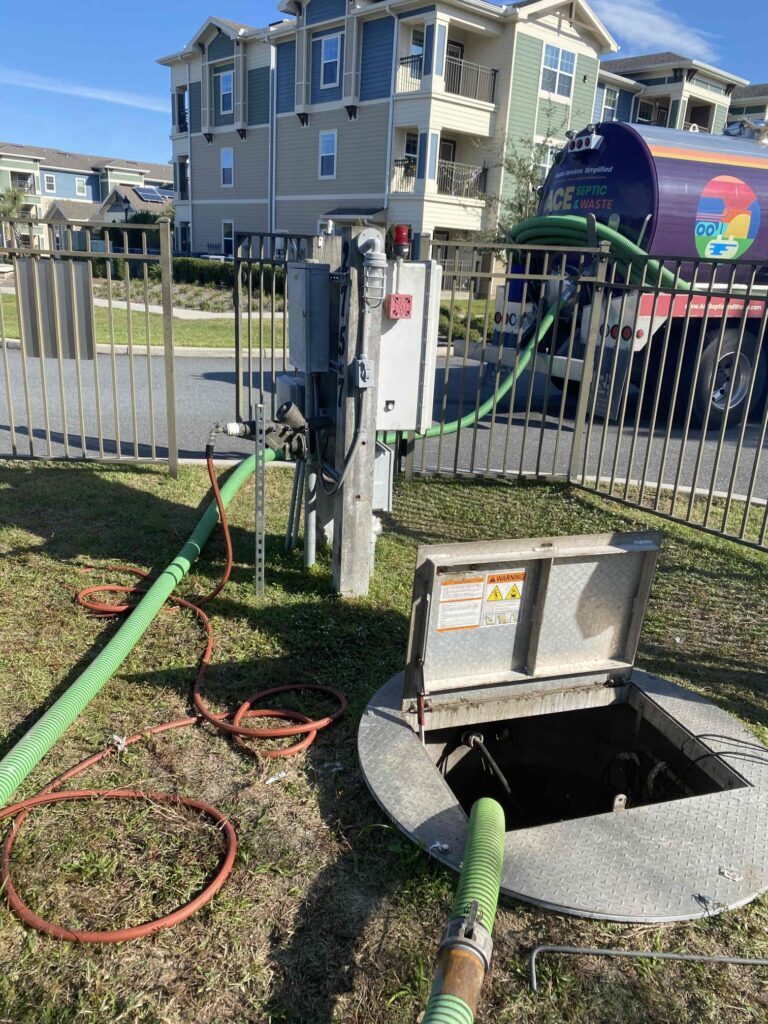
[[329, 915], [212, 333]]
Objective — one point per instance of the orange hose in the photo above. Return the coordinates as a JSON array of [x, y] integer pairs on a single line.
[[49, 794]]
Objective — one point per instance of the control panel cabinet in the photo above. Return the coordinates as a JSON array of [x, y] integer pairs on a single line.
[[309, 316]]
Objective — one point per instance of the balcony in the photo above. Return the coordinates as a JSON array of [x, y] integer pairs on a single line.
[[404, 175], [464, 181], [409, 73], [473, 81], [692, 126], [24, 182]]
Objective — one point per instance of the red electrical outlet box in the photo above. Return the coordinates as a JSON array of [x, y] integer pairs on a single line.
[[398, 307]]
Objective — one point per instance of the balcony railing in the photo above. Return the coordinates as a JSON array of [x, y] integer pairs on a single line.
[[24, 182], [463, 78], [409, 73], [404, 175], [691, 126], [462, 180]]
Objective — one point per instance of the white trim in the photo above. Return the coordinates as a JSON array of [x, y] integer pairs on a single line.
[[230, 92], [84, 192], [223, 247], [320, 154], [226, 167], [323, 40], [46, 176]]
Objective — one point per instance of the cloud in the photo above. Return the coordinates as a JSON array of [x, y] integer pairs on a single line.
[[644, 26], [26, 80]]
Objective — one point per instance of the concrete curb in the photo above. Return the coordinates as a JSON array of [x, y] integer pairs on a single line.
[[183, 351]]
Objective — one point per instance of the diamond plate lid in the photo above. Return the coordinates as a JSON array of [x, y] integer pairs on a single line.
[[520, 611]]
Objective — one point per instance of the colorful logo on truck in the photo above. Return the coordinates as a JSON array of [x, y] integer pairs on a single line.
[[727, 220]]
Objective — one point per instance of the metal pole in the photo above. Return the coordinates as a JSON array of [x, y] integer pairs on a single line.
[[587, 377], [260, 483], [166, 276]]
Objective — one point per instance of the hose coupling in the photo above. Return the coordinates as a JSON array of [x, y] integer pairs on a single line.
[[468, 933]]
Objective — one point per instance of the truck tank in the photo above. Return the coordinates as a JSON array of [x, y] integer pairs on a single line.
[[680, 195]]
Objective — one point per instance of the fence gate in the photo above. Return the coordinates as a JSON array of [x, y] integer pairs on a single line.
[[86, 342], [648, 384]]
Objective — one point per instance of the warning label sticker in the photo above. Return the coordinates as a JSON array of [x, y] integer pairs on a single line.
[[502, 597], [461, 603]]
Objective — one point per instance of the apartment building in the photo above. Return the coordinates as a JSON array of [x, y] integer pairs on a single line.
[[60, 186], [749, 101], [380, 111], [674, 91]]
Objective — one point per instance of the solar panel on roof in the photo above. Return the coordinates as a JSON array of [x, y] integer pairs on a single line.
[[149, 195], [166, 193]]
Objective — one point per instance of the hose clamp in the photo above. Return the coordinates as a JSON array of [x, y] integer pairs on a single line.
[[467, 933]]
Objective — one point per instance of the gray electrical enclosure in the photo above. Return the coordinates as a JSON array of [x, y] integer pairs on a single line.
[[308, 316]]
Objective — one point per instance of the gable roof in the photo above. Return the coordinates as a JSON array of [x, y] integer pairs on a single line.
[[58, 158], [138, 205]]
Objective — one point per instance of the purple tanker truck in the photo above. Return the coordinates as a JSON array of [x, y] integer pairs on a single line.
[[688, 199]]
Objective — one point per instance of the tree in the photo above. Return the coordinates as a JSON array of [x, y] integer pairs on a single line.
[[523, 165], [11, 205]]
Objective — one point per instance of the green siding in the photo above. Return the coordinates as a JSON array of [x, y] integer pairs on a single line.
[[195, 123], [721, 115], [584, 86], [220, 119], [674, 114], [258, 96], [553, 118], [521, 125], [220, 47]]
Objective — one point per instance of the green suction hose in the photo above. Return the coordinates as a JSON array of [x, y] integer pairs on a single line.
[[465, 948], [35, 744]]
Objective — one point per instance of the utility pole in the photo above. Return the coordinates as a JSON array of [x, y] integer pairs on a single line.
[[359, 349]]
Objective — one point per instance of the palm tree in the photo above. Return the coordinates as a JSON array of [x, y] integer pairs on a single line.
[[11, 204]]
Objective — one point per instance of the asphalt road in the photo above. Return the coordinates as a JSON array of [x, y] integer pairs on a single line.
[[205, 394]]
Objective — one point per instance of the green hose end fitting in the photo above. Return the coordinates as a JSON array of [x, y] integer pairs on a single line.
[[444, 1008], [480, 877]]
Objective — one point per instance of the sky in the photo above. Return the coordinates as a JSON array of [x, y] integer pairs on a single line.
[[87, 81]]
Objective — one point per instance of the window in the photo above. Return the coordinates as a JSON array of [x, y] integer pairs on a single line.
[[645, 112], [50, 183], [558, 70], [330, 59], [417, 42], [80, 186], [545, 158], [610, 103], [227, 167], [412, 146], [327, 162], [228, 237], [226, 98]]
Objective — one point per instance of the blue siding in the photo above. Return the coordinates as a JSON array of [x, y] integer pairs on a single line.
[[597, 113], [194, 107], [220, 47], [332, 94], [286, 76], [412, 14], [376, 59], [624, 106], [434, 143], [324, 10], [65, 184], [258, 96], [422, 157], [429, 48], [440, 51]]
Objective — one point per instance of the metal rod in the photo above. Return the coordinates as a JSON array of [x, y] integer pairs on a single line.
[[636, 954], [111, 323], [78, 362], [148, 336], [131, 364], [166, 280], [260, 496], [7, 372], [92, 324]]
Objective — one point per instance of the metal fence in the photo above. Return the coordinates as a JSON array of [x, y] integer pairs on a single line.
[[261, 312], [86, 357], [649, 386]]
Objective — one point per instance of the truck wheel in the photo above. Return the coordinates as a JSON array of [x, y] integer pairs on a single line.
[[723, 389]]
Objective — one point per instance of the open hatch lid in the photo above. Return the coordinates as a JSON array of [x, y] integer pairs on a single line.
[[520, 611]]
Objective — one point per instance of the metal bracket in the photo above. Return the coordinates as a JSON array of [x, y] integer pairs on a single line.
[[260, 482]]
